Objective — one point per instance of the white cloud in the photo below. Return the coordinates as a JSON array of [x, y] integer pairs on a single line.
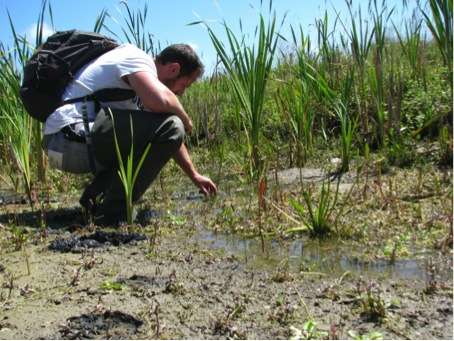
[[194, 46], [30, 33]]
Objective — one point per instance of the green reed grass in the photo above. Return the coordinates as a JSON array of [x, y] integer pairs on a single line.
[[318, 218], [296, 106], [249, 70], [358, 42], [294, 95], [440, 25], [127, 173], [135, 31], [411, 44], [348, 126], [16, 126], [379, 109], [22, 134]]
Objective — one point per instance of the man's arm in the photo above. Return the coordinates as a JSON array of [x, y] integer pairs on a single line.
[[157, 97], [182, 158]]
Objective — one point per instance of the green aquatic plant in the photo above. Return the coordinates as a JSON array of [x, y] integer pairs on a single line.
[[440, 25], [317, 216], [296, 106], [127, 174]]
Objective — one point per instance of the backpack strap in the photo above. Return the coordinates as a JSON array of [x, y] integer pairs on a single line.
[[102, 95], [91, 157]]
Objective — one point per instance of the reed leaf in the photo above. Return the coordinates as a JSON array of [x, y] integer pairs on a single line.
[[135, 31], [379, 116], [411, 43]]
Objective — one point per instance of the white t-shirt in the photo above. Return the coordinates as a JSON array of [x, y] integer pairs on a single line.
[[103, 72]]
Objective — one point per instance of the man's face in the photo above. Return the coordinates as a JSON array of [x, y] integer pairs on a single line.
[[178, 85]]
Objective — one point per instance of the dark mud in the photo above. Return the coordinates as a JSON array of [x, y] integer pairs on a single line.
[[99, 239], [114, 325]]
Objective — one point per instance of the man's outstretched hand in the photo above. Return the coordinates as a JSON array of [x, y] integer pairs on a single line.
[[206, 186]]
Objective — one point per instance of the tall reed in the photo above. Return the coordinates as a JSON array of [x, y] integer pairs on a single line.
[[441, 28], [347, 122], [16, 125], [358, 42], [381, 17], [296, 106], [135, 31], [249, 70], [411, 43]]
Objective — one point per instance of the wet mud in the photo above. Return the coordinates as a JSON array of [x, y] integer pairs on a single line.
[[175, 280]]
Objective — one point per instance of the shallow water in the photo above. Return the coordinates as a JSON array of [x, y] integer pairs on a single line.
[[311, 257], [299, 254], [305, 254]]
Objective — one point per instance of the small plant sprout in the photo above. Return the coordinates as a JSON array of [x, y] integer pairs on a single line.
[[370, 300], [174, 286], [112, 286], [308, 332]]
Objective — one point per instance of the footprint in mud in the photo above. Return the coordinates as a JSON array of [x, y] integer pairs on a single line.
[[98, 239], [109, 325]]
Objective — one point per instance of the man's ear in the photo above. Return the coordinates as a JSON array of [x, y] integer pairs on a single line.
[[174, 69]]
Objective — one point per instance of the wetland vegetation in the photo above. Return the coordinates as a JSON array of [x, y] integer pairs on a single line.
[[333, 160]]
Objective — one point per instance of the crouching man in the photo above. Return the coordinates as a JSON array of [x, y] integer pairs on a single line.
[[158, 118]]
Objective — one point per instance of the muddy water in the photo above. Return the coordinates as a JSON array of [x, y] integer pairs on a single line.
[[302, 252]]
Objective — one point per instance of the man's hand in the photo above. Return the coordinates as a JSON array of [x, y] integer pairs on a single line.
[[206, 186]]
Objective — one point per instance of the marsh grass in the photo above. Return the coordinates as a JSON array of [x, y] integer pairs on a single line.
[[248, 69], [440, 25], [17, 126], [135, 31], [319, 218], [127, 173]]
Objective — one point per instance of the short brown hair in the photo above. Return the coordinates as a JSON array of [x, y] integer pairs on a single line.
[[184, 55]]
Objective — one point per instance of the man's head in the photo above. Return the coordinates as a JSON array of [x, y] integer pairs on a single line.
[[179, 67]]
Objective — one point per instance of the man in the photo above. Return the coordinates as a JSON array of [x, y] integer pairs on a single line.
[[158, 118]]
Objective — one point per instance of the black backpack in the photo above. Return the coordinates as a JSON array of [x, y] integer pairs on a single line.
[[53, 65]]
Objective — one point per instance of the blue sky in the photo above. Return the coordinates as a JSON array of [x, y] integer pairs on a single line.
[[167, 19]]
